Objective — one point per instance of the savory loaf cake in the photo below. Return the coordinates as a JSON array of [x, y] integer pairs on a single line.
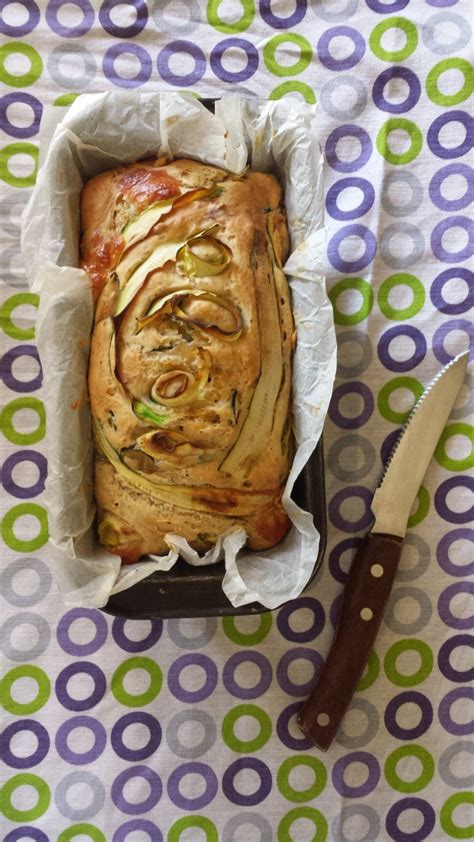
[[190, 365]]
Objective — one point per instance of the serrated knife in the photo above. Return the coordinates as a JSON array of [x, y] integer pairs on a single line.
[[374, 566]]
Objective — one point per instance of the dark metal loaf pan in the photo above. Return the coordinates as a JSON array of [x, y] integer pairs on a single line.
[[186, 591]]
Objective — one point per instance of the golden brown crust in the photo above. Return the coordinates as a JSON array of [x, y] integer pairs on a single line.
[[190, 376]]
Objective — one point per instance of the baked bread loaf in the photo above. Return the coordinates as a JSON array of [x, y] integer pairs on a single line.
[[190, 365]]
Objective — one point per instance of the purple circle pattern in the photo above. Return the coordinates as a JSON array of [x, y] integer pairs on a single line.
[[247, 657], [443, 278], [385, 86], [11, 462], [363, 789], [395, 811], [133, 808], [121, 639], [415, 731], [6, 369], [134, 718], [142, 825], [343, 132], [188, 79], [410, 363], [35, 728], [19, 30], [444, 605], [80, 668], [444, 656], [445, 716], [80, 757], [192, 660], [77, 31], [300, 653], [234, 77], [81, 649], [8, 127], [385, 78], [337, 64], [133, 29], [198, 802], [143, 74], [255, 765]]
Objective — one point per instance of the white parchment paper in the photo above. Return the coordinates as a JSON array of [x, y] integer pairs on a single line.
[[98, 132]]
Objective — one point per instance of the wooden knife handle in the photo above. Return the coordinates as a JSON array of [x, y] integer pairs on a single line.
[[366, 593]]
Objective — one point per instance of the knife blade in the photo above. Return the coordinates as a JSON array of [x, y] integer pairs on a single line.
[[373, 569]]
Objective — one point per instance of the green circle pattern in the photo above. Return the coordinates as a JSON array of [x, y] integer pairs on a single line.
[[65, 99], [18, 544], [247, 638], [457, 429], [8, 152], [6, 310], [24, 708], [402, 313], [383, 400], [295, 87], [25, 779], [246, 746], [315, 816], [137, 700], [413, 132], [446, 816], [6, 421], [410, 645], [83, 829], [269, 54], [23, 80], [200, 822], [432, 80], [364, 288], [422, 509], [371, 674], [248, 14], [406, 26], [423, 779], [301, 795]]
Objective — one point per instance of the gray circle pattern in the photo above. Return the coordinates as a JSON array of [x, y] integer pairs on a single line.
[[79, 814], [372, 719], [437, 21], [422, 564], [7, 577], [181, 29], [444, 766], [465, 408], [77, 54], [416, 625], [363, 810], [406, 179], [191, 752], [357, 337], [240, 820], [13, 623], [339, 113], [351, 440], [320, 8], [397, 261], [195, 642]]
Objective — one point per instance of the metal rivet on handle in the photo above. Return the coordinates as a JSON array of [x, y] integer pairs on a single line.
[[377, 571], [366, 614], [322, 719]]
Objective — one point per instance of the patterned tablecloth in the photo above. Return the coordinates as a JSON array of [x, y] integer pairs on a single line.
[[185, 730]]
